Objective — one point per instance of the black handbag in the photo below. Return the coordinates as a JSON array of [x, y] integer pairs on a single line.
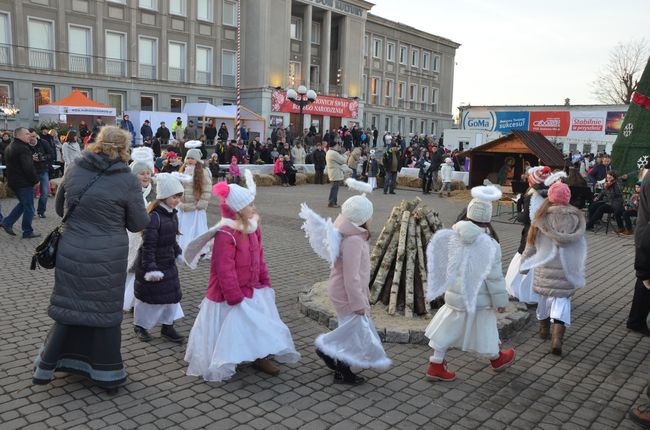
[[45, 253]]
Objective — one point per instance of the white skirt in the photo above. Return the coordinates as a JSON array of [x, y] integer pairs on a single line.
[[147, 315], [355, 342], [556, 308], [224, 336], [519, 285], [476, 332], [129, 292], [192, 224], [372, 181]]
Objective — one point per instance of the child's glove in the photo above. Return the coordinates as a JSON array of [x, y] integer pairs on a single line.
[[155, 276]]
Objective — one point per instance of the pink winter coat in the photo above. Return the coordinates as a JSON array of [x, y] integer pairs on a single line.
[[278, 168], [348, 284], [234, 170], [237, 267]]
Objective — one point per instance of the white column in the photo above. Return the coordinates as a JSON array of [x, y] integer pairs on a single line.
[[306, 45], [325, 54]]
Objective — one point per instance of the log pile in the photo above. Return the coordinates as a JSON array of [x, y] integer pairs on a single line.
[[398, 272]]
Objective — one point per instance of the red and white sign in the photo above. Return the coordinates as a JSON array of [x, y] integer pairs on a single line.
[[550, 123], [324, 105], [588, 124]]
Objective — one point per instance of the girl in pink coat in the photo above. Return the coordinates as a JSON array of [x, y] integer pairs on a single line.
[[238, 320]]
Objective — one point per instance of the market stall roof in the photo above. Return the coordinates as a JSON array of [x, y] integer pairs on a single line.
[[226, 111], [522, 142], [76, 103]]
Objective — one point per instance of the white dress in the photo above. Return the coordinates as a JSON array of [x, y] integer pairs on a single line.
[[148, 315], [135, 241], [194, 223]]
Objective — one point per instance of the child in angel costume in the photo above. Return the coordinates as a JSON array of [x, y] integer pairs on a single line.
[[344, 244], [464, 263], [557, 250], [238, 321], [142, 166]]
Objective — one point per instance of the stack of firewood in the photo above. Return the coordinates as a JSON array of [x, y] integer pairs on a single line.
[[398, 262]]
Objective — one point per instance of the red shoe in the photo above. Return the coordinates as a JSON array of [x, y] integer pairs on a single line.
[[506, 358], [439, 372]]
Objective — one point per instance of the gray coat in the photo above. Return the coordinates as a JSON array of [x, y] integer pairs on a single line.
[[92, 256]]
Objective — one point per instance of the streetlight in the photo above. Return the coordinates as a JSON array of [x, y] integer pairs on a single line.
[[302, 98], [9, 111]]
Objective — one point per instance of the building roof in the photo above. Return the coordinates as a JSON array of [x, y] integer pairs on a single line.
[[77, 98], [535, 142], [547, 107], [401, 26]]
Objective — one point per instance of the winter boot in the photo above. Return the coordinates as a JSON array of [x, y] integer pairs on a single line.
[[505, 359], [557, 336], [170, 333], [545, 328], [267, 366], [142, 333], [329, 361], [439, 372], [344, 375]]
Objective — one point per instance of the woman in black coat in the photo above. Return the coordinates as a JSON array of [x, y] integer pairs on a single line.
[[641, 301]]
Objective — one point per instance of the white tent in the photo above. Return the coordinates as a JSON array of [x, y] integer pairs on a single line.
[[138, 117], [74, 108], [228, 115]]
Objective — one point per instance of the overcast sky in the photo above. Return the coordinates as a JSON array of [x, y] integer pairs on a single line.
[[525, 52]]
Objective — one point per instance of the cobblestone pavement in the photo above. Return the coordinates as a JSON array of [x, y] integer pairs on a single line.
[[602, 373]]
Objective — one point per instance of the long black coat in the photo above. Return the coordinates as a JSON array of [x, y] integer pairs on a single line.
[[642, 234], [158, 254]]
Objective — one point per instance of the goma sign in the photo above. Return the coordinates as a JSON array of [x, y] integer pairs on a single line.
[[324, 105]]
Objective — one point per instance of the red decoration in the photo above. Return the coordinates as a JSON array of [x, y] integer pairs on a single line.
[[641, 100], [324, 105]]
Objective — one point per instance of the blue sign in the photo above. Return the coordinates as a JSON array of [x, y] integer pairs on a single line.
[[507, 121]]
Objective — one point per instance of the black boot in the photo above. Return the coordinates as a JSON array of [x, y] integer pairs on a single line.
[[142, 333], [329, 361], [344, 375], [170, 333]]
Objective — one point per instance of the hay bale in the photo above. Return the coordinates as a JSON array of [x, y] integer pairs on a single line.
[[5, 190], [458, 185], [266, 180], [301, 179], [409, 181]]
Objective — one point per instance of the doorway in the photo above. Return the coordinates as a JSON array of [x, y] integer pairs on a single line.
[[335, 122]]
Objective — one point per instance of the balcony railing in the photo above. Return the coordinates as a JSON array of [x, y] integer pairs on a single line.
[[204, 78], [5, 54], [176, 74], [147, 71], [41, 58], [115, 67], [80, 63]]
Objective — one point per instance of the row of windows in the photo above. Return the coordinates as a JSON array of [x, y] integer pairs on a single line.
[[296, 30], [404, 93], [204, 9], [403, 126], [429, 61]]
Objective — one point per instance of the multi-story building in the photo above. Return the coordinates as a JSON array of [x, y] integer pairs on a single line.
[[160, 54]]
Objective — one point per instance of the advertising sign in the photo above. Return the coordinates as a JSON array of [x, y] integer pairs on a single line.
[[587, 124], [614, 122], [507, 121], [478, 120], [550, 123], [324, 105]]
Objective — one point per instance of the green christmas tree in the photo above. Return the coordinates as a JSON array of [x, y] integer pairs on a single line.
[[632, 145]]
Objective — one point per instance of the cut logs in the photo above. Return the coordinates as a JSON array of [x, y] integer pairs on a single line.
[[398, 272]]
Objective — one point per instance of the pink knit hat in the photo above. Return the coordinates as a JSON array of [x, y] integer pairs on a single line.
[[559, 194]]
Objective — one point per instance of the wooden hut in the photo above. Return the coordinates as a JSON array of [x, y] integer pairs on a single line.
[[524, 146]]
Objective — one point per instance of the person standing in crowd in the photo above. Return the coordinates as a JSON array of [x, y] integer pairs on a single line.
[[163, 135], [319, 165], [210, 131], [298, 154], [375, 135], [99, 124], [335, 162], [244, 134], [372, 169], [640, 309], [391, 162], [57, 164], [557, 250], [223, 132], [145, 131], [238, 320], [127, 125], [353, 161], [446, 172], [426, 174], [468, 319], [192, 131], [43, 155], [21, 178], [83, 130], [600, 170], [86, 335], [157, 287], [178, 129], [71, 150]]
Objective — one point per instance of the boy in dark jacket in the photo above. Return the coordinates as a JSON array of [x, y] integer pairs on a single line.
[[319, 164]]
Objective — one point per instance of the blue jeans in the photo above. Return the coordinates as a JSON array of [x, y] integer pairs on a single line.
[[25, 207], [44, 184], [389, 182]]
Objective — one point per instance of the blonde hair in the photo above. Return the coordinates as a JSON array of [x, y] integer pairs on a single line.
[[112, 142], [541, 212], [197, 179]]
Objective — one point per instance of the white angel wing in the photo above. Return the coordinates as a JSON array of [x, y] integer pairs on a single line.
[[323, 237], [438, 267]]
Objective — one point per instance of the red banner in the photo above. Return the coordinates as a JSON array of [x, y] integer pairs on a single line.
[[550, 123], [324, 105]]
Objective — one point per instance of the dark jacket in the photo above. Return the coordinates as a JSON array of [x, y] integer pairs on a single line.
[[319, 159], [127, 125], [599, 172], [642, 233], [91, 261], [388, 159], [46, 155], [210, 132], [163, 133], [146, 131], [613, 196], [191, 132], [21, 171], [158, 254], [223, 133]]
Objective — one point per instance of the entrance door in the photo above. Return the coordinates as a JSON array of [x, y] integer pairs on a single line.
[[294, 118], [335, 122]]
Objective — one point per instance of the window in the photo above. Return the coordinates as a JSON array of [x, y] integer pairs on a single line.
[[411, 126], [79, 46], [433, 128], [5, 38], [177, 7], [229, 13], [423, 126], [118, 1], [373, 121], [401, 90], [388, 93], [205, 100], [296, 28], [295, 72], [5, 94], [364, 88], [228, 68], [376, 48], [436, 63], [415, 58], [413, 92], [148, 4], [387, 123], [403, 54], [390, 51], [176, 62], [365, 45], [115, 53], [204, 10], [314, 74], [147, 57], [203, 65], [374, 90], [116, 100], [400, 125], [434, 99], [88, 92], [425, 60], [424, 95], [41, 43], [315, 33], [176, 103], [42, 96], [148, 102]]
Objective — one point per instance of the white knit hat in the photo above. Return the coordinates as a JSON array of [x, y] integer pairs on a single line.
[[142, 160], [167, 185], [480, 208], [358, 209], [235, 196]]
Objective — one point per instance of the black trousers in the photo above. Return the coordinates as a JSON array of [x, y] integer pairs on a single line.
[[334, 192], [596, 212], [640, 307], [318, 177]]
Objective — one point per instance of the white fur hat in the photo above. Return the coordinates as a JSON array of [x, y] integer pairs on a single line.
[[142, 160], [167, 185], [480, 208], [554, 177], [235, 196], [358, 209]]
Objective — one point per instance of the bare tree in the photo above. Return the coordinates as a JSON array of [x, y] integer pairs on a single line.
[[618, 80]]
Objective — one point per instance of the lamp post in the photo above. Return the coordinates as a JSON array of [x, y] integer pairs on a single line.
[[9, 111], [302, 97]]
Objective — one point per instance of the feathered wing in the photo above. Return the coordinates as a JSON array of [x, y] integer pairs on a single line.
[[439, 272], [477, 260], [545, 251], [250, 182], [182, 177], [135, 242], [363, 187], [193, 250], [323, 237]]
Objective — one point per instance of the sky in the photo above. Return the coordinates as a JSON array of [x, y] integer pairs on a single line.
[[522, 52]]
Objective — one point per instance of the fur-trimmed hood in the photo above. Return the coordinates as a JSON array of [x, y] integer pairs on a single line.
[[563, 224], [468, 231]]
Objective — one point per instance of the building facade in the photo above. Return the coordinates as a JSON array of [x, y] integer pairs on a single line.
[[157, 55]]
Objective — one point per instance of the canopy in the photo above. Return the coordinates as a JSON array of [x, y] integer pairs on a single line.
[[77, 104], [228, 115]]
